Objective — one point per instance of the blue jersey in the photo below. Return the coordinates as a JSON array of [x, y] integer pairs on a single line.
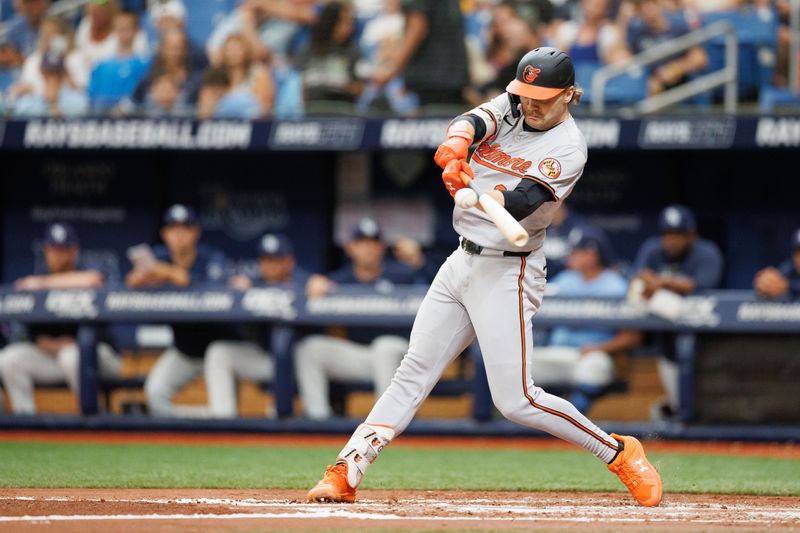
[[793, 275], [192, 338], [608, 284], [558, 243], [297, 282], [393, 273], [56, 329], [702, 263], [208, 266]]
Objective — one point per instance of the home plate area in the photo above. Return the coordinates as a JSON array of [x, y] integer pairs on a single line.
[[88, 510]]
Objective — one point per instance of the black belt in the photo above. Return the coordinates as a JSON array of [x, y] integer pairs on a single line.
[[476, 249]]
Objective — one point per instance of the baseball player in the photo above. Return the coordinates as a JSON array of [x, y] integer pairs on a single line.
[[529, 156], [772, 282], [181, 262], [228, 361], [367, 354], [679, 261], [52, 355]]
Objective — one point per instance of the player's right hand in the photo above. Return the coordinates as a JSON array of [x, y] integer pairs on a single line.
[[455, 147], [451, 175]]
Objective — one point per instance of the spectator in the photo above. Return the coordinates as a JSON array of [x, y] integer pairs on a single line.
[[183, 262], [567, 228], [171, 15], [246, 74], [328, 65], [218, 99], [774, 282], [595, 38], [46, 85], [681, 262], [227, 362], [114, 80], [22, 32], [514, 37], [582, 357], [655, 28], [172, 58], [164, 98], [96, 40], [379, 43], [52, 356], [270, 26], [367, 354], [432, 57]]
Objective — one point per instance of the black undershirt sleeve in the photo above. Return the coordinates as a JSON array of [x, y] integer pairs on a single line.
[[526, 198], [477, 123]]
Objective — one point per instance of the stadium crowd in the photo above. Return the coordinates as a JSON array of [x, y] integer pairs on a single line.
[[261, 58], [581, 263]]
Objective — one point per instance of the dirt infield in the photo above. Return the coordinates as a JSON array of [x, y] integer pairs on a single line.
[[154, 511]]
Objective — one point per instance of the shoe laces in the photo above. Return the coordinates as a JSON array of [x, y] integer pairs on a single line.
[[336, 470]]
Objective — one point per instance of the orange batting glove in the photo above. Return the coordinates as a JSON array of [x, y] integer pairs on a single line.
[[451, 176], [460, 136]]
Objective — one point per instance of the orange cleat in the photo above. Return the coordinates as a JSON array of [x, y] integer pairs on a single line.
[[636, 472], [333, 487]]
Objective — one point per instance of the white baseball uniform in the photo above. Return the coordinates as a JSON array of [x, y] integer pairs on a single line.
[[492, 296]]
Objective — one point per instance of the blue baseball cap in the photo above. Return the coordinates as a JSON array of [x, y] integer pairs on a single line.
[[590, 239], [275, 245], [796, 239], [366, 228], [60, 234], [180, 214], [676, 218]]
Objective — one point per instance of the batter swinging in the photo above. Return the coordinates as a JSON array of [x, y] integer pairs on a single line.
[[529, 154]]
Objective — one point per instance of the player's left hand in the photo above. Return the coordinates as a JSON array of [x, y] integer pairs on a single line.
[[451, 175]]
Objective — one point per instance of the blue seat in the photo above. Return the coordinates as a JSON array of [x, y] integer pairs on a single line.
[[771, 97], [758, 33], [6, 9], [625, 89], [203, 15]]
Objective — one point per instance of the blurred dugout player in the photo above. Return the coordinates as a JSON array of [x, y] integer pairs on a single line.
[[774, 282], [581, 357], [566, 228], [52, 356], [365, 355], [183, 262], [682, 262], [228, 361]]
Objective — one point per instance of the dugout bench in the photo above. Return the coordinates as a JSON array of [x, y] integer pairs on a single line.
[[706, 320]]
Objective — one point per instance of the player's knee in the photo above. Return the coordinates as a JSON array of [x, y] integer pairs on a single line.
[[310, 349], [159, 401], [511, 408], [390, 346], [218, 356], [69, 358], [12, 360]]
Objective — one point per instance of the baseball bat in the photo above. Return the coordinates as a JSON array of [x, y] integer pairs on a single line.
[[511, 229]]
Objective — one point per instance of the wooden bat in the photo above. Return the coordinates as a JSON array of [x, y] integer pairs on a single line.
[[511, 229]]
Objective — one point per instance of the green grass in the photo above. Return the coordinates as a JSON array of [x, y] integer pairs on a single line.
[[157, 466]]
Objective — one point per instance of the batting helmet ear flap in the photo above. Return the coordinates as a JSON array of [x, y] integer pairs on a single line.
[[513, 99]]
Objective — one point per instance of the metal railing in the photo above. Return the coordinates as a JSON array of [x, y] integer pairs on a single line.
[[726, 76], [794, 46]]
